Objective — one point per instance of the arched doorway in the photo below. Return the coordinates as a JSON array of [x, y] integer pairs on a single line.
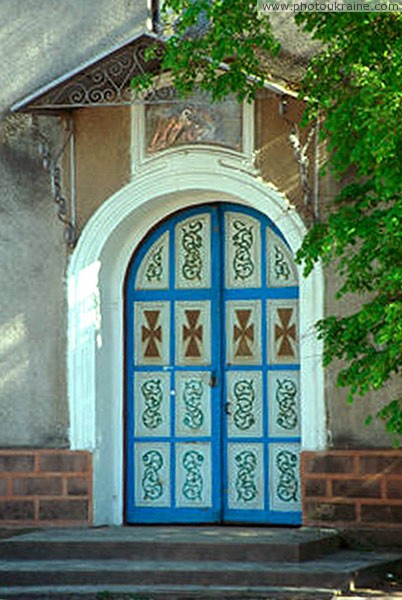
[[96, 276], [213, 371]]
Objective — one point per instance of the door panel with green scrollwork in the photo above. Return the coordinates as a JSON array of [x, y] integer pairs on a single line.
[[261, 372], [212, 373]]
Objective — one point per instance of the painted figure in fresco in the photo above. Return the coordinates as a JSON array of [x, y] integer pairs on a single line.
[[185, 127]]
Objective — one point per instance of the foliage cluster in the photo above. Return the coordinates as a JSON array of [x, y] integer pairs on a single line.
[[355, 83]]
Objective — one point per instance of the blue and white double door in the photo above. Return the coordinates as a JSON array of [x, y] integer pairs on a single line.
[[212, 372]]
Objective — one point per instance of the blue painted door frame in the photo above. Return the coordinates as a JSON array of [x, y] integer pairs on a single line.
[[212, 431]]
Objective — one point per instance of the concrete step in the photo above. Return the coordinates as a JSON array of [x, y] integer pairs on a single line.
[[172, 592], [152, 563], [273, 545], [329, 573]]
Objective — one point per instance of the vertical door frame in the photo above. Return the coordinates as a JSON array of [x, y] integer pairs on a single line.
[[95, 301]]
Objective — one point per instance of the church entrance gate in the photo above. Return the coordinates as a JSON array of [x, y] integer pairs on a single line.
[[212, 372]]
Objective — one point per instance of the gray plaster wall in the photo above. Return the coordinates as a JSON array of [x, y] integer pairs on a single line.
[[346, 422], [40, 40], [33, 409]]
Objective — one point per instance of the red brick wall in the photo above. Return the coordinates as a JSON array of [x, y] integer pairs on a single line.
[[352, 488], [45, 487]]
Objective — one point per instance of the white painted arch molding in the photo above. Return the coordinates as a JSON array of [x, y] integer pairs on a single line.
[[96, 275]]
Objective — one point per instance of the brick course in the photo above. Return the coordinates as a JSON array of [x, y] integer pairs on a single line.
[[70, 510], [77, 486], [37, 486], [63, 463], [14, 462], [352, 488], [394, 488], [45, 487], [3, 487]]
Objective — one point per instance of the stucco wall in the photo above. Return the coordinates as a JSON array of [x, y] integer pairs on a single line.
[[33, 304], [40, 41], [102, 158], [346, 422], [33, 408], [275, 156]]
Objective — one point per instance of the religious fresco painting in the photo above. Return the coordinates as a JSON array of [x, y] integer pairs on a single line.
[[171, 121]]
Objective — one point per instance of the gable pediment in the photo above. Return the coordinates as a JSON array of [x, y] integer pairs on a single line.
[[102, 81]]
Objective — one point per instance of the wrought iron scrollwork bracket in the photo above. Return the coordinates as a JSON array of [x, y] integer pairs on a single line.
[[50, 162]]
